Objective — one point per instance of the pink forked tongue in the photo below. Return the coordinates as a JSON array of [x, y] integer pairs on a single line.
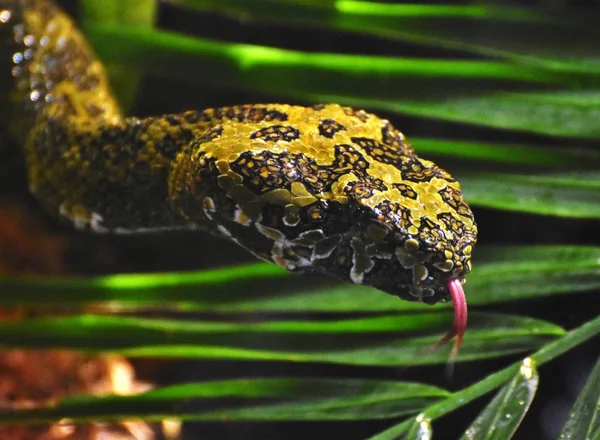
[[459, 326]]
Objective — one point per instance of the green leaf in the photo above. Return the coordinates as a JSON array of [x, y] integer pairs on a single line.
[[502, 273], [583, 422], [560, 44], [380, 340], [503, 415], [460, 398], [248, 399], [516, 154], [574, 195], [559, 113], [301, 9], [207, 285], [253, 66], [291, 399]]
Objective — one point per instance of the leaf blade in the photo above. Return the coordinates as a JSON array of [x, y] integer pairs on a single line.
[[561, 194], [501, 273], [442, 26], [249, 400], [500, 419], [584, 419], [380, 340], [545, 354]]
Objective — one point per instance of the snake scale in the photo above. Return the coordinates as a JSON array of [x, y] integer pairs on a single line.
[[323, 188]]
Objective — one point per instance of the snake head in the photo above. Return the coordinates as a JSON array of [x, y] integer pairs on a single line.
[[417, 246], [328, 189], [331, 190], [411, 230], [413, 258]]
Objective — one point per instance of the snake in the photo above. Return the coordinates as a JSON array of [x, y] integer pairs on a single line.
[[322, 188]]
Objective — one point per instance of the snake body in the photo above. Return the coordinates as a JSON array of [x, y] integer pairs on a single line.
[[326, 188]]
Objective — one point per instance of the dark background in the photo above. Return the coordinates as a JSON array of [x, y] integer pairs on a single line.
[[560, 380]]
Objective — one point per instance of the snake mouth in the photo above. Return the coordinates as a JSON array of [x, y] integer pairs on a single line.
[[459, 326]]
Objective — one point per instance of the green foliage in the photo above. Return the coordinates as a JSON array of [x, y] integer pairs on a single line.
[[584, 418], [544, 86], [501, 418]]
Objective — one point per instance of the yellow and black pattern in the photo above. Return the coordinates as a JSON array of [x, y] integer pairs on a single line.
[[325, 188]]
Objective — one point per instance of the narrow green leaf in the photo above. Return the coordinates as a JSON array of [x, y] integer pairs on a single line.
[[296, 9], [290, 399], [252, 66], [565, 195], [517, 154], [208, 285], [562, 45], [553, 113], [545, 354], [583, 422], [502, 416], [248, 399], [381, 340], [500, 274]]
